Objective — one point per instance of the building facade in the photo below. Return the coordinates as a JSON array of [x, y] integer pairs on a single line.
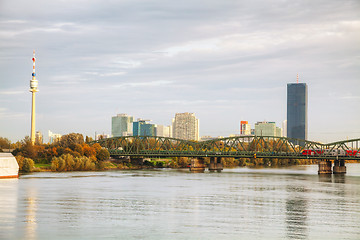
[[245, 128], [297, 104], [186, 126], [142, 128], [38, 137], [163, 131], [267, 129], [121, 125], [54, 137], [284, 128]]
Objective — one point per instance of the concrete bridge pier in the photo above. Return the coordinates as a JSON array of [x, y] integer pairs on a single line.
[[215, 164], [339, 167], [197, 165], [325, 167]]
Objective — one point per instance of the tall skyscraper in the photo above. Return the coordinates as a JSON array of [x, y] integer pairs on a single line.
[[186, 126], [121, 125], [297, 104]]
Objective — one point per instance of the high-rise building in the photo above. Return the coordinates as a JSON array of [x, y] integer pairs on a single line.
[[245, 128], [142, 128], [297, 101], [54, 137], [38, 137], [284, 127], [121, 125], [186, 126], [267, 129], [163, 131]]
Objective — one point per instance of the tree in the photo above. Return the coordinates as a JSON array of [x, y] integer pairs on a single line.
[[70, 140], [89, 151], [97, 147], [88, 139], [103, 155], [4, 143]]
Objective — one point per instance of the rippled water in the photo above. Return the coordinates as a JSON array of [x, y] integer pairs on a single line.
[[242, 203]]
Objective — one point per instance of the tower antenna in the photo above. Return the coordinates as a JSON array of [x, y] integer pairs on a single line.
[[33, 90]]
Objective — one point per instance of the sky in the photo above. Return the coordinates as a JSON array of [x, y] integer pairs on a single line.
[[223, 60]]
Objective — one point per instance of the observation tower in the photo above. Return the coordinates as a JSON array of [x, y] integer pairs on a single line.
[[33, 90]]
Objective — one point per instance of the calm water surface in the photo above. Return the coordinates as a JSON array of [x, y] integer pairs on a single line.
[[242, 203]]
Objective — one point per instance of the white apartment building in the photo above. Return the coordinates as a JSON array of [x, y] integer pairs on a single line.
[[54, 137], [163, 131], [186, 126]]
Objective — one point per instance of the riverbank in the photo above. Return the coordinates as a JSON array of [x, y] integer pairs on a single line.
[[181, 163]]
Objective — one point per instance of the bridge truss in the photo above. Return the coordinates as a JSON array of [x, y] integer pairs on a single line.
[[236, 147]]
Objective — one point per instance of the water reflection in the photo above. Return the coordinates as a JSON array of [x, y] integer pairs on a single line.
[[296, 213], [325, 178], [8, 206], [339, 178], [30, 217]]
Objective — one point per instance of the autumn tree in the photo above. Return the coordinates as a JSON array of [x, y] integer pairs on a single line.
[[70, 140], [102, 155], [4, 143]]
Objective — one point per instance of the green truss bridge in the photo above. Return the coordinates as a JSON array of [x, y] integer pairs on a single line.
[[237, 147]]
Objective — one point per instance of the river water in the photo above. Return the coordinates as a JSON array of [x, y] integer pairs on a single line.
[[241, 203]]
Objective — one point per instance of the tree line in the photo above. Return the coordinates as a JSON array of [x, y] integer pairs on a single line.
[[70, 153]]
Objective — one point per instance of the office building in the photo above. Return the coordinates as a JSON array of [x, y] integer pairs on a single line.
[[142, 128], [163, 131], [186, 126], [245, 128], [121, 125], [267, 129], [297, 110]]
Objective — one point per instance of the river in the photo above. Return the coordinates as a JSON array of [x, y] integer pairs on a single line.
[[241, 203]]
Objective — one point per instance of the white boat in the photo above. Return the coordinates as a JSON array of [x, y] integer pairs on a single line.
[[9, 167]]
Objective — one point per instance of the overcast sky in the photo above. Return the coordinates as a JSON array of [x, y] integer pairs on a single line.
[[224, 60]]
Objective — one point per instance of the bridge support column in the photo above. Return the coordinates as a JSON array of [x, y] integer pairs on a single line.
[[215, 164], [325, 167], [197, 165], [339, 167]]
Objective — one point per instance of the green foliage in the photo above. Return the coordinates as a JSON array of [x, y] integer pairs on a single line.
[[4, 143], [71, 140], [25, 164], [67, 162], [102, 155]]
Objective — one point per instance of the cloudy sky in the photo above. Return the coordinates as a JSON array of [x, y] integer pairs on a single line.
[[224, 60]]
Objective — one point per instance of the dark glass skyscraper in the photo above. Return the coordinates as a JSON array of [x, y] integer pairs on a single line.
[[297, 110]]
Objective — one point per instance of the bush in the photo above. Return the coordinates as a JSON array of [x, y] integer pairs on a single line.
[[25, 164], [67, 162]]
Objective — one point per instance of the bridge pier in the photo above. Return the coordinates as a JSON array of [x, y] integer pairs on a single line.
[[197, 165], [339, 167], [325, 167], [215, 164]]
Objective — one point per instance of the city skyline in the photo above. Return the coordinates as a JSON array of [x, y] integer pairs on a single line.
[[224, 62]]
